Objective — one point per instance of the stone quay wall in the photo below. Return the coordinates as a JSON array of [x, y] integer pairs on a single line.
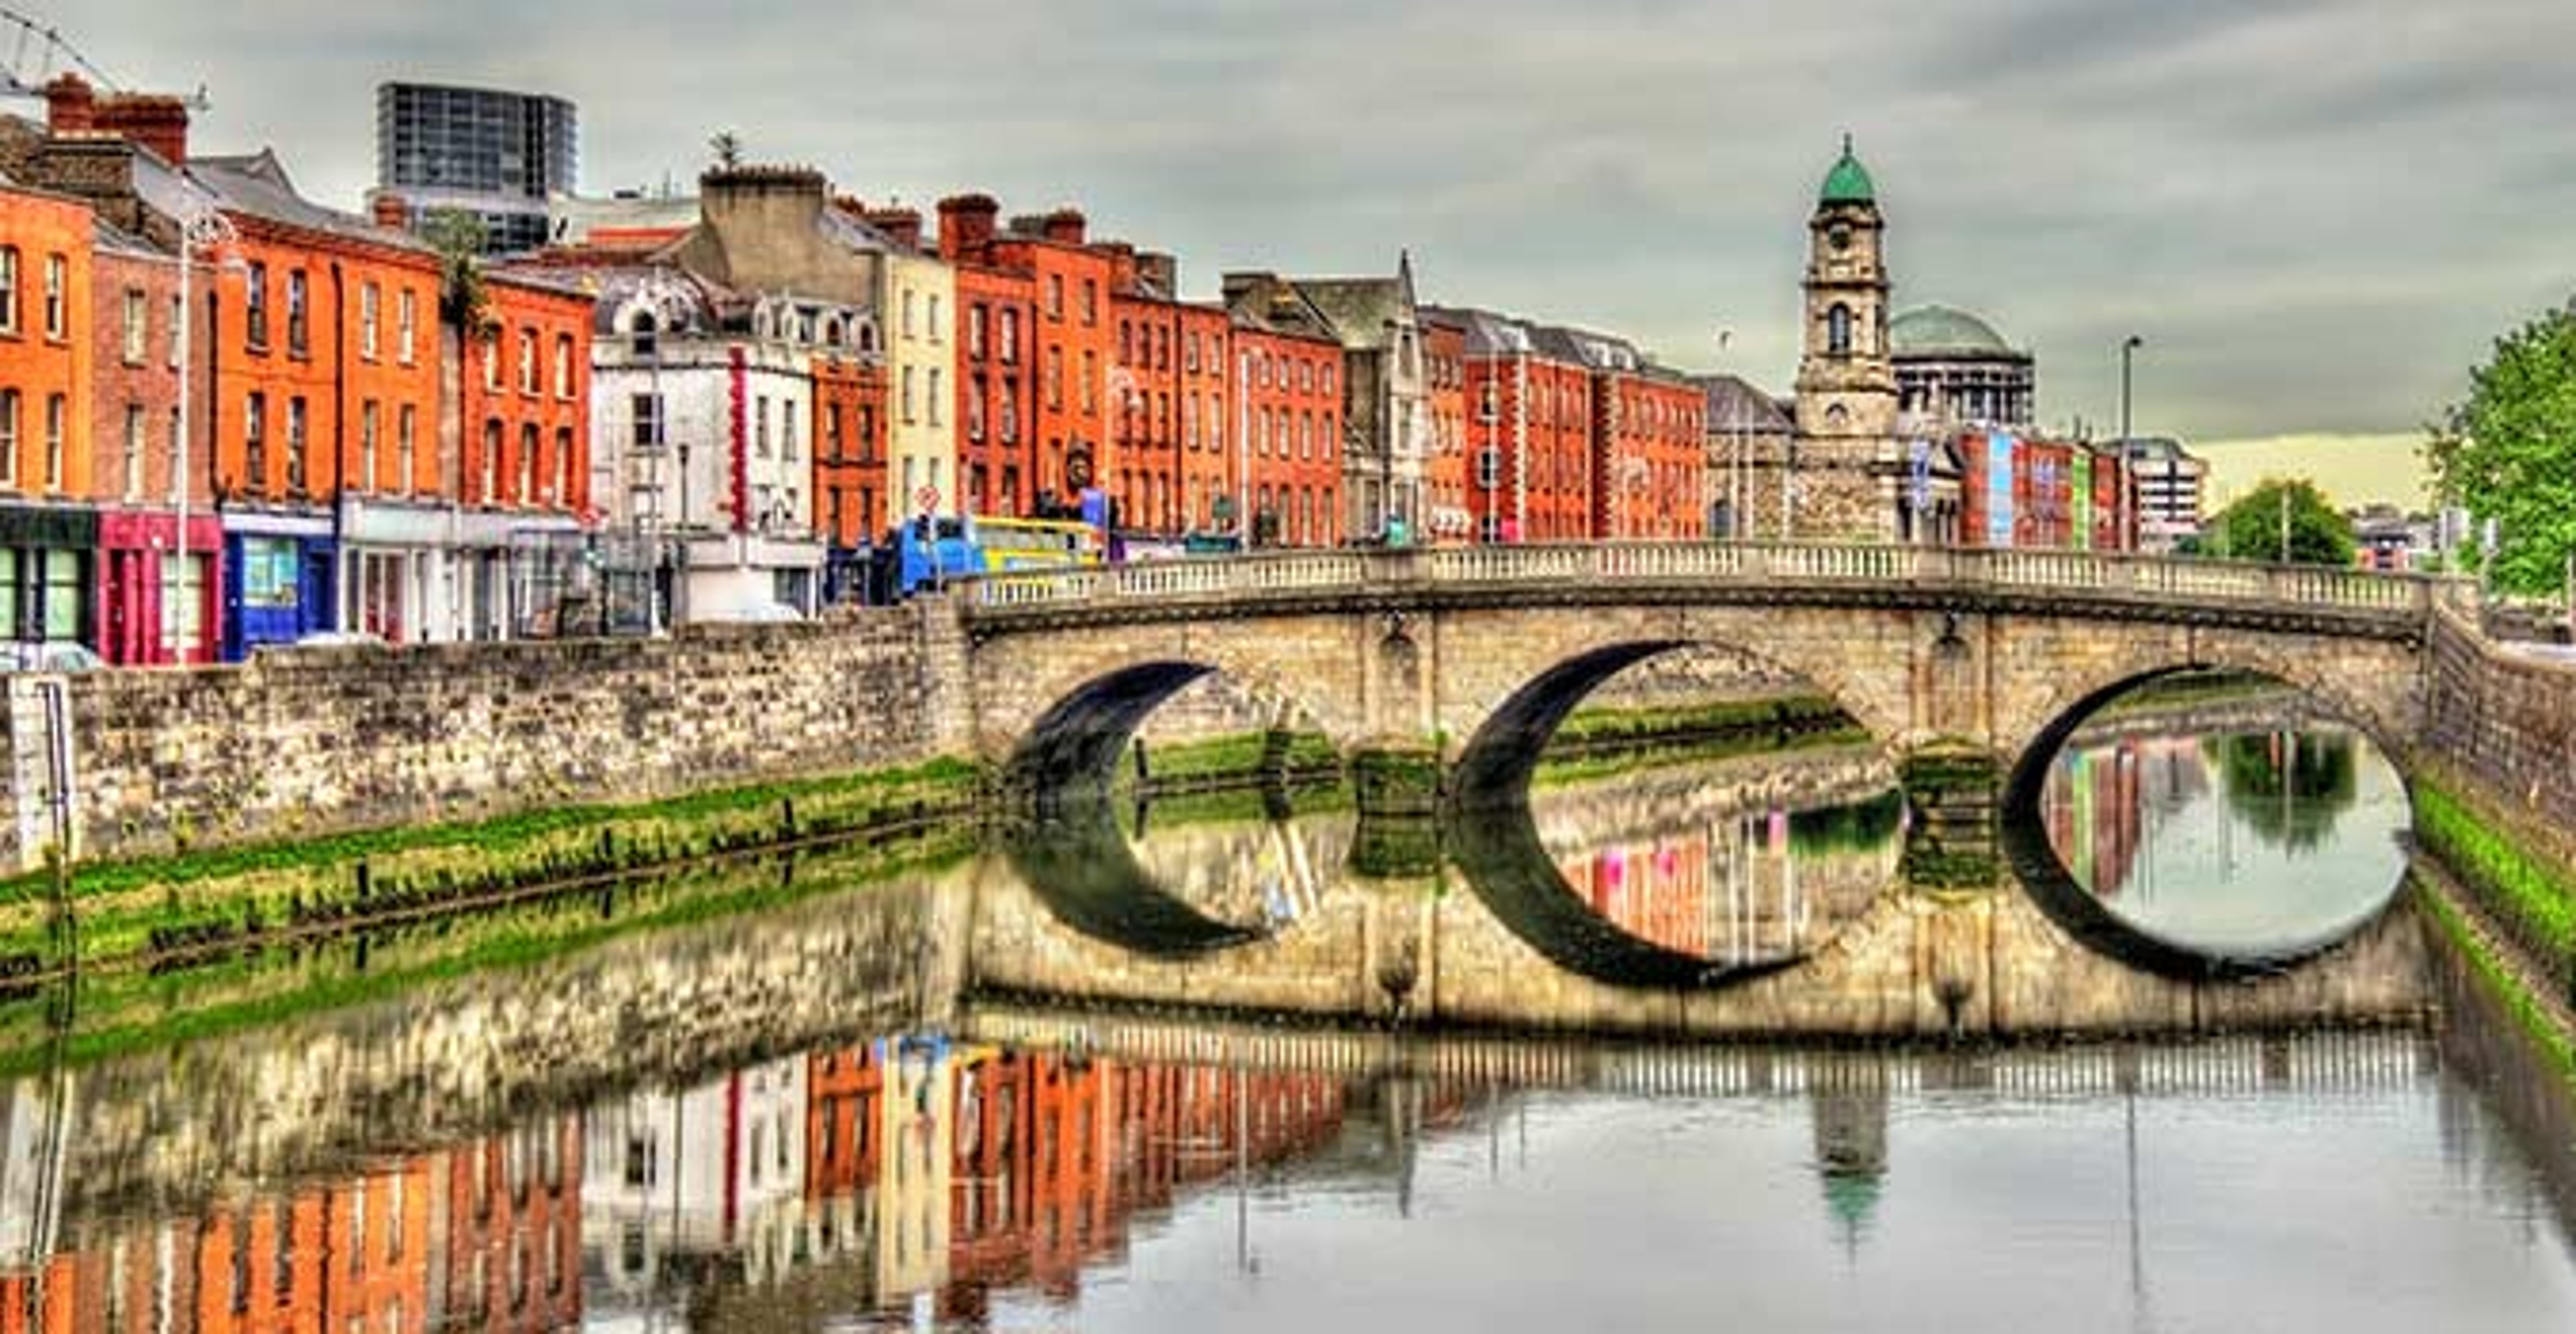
[[2505, 721], [305, 742]]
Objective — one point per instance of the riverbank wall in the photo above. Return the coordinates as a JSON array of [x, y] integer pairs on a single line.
[[309, 742]]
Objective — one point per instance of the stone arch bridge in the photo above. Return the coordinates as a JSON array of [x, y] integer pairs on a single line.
[[1474, 654]]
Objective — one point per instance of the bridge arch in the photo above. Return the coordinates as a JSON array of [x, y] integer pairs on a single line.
[[2074, 908], [1508, 728]]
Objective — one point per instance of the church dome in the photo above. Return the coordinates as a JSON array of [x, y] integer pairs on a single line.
[[1943, 331], [1848, 182]]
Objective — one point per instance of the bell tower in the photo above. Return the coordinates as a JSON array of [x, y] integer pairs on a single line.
[[1846, 382]]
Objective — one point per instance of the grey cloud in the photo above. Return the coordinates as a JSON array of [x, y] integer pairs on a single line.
[[2318, 211]]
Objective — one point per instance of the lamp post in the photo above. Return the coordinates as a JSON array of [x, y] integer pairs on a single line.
[[202, 227], [2128, 484]]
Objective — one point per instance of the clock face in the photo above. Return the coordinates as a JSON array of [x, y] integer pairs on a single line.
[[1839, 238]]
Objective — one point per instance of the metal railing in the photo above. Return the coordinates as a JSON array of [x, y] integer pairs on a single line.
[[2107, 575]]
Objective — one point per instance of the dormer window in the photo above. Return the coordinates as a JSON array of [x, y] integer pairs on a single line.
[[646, 334]]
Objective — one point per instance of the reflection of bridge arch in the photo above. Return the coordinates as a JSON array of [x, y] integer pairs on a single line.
[[1079, 864], [2080, 912]]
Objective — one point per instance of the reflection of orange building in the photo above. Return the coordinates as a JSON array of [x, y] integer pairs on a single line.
[[842, 1090], [513, 1241], [1053, 1155], [486, 1237], [1656, 891]]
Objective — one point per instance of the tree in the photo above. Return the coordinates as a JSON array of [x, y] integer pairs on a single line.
[[2508, 452], [726, 146], [2250, 529]]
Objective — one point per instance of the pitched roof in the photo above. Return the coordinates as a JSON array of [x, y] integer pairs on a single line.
[[1734, 404], [1358, 310], [257, 185]]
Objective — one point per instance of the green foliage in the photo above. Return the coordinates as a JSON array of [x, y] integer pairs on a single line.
[[2250, 529], [2508, 451], [725, 147], [2535, 900], [2290, 787], [460, 240]]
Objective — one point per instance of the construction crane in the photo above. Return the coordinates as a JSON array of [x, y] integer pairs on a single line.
[[38, 54]]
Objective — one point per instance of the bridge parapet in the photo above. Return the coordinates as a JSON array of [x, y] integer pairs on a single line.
[[2385, 603]]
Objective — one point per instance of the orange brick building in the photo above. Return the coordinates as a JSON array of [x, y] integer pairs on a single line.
[[48, 531], [996, 367], [1649, 451], [1446, 517], [1290, 434]]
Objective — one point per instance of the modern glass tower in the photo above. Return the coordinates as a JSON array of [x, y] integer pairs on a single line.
[[495, 154]]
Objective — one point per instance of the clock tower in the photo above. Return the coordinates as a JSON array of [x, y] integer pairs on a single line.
[[1849, 466]]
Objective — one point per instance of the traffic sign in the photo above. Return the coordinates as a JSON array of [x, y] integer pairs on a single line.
[[927, 498]]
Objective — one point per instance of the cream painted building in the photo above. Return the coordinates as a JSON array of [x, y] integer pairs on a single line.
[[919, 297]]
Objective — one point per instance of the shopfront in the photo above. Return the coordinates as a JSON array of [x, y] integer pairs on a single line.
[[152, 609], [278, 580], [47, 553]]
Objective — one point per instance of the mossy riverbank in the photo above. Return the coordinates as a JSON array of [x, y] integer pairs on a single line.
[[217, 900]]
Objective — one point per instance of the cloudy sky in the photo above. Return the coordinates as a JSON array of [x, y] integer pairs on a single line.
[[2316, 212]]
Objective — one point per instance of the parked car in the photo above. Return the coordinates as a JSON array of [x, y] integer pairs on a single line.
[[49, 656]]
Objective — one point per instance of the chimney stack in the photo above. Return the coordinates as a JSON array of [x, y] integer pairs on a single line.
[[901, 225], [70, 106], [389, 210], [74, 110], [966, 225], [1064, 226]]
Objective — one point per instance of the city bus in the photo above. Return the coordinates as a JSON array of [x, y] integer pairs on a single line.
[[936, 548]]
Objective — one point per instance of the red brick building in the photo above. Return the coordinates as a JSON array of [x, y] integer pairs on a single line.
[[1289, 433], [1068, 342], [1446, 516], [996, 367], [849, 447], [1649, 451], [512, 1248], [1529, 428], [147, 612]]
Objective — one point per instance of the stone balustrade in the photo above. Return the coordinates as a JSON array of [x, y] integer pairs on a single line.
[[2387, 603]]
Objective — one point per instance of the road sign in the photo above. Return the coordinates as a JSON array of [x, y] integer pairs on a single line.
[[927, 498]]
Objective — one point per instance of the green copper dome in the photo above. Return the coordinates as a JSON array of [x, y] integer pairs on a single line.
[[1848, 182]]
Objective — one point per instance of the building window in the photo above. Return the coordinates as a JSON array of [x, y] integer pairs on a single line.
[[406, 324], [787, 447], [1090, 302], [255, 307], [138, 327], [8, 289], [58, 299], [1010, 411], [562, 493], [936, 324], [527, 361], [760, 426], [1090, 380], [909, 399], [936, 395], [488, 347], [255, 441], [975, 329], [296, 438], [368, 454], [1010, 336], [647, 412], [975, 394], [11, 405], [370, 313], [58, 412], [1055, 296], [271, 572], [527, 463], [909, 328], [406, 440], [490, 472], [299, 325], [563, 366], [1055, 377], [1838, 329]]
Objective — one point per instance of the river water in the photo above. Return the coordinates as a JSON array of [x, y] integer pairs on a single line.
[[874, 1106]]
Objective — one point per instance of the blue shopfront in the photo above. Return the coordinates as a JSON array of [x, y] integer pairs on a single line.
[[279, 583]]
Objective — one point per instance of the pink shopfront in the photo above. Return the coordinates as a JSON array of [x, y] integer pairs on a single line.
[[150, 609]]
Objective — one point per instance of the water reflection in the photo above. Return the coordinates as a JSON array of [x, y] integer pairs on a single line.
[[2231, 841], [924, 1179]]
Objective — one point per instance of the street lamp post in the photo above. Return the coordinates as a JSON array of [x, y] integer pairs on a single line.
[[202, 227], [2128, 483]]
